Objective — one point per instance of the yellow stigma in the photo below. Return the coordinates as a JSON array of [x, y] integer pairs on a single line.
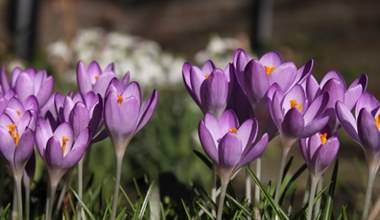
[[207, 75], [269, 69], [295, 104], [232, 130], [377, 121], [64, 143], [18, 113], [13, 132], [96, 77], [119, 99], [323, 137]]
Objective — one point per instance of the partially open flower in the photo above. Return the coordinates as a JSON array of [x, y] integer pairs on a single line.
[[229, 145]]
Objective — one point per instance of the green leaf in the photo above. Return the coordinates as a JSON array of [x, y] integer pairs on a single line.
[[275, 207], [327, 210], [145, 203], [81, 203]]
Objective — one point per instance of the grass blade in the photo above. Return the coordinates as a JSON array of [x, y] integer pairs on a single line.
[[327, 210], [81, 203], [145, 203]]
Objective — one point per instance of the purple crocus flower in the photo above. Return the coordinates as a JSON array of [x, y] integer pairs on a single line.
[[319, 151], [334, 84], [17, 139], [93, 78], [229, 145], [59, 148], [364, 128], [29, 82], [210, 87], [125, 113], [294, 116]]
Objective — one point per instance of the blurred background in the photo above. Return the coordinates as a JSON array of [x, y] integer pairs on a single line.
[[152, 39]]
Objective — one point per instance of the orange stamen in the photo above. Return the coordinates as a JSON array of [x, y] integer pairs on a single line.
[[232, 130], [377, 121], [13, 132], [64, 143], [96, 77], [269, 69], [207, 75], [323, 137], [119, 99], [295, 104]]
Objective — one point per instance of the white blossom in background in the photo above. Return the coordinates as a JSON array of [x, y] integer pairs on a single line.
[[146, 61], [219, 50]]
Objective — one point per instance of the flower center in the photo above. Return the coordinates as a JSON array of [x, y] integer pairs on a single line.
[[377, 121], [18, 112], [119, 99], [232, 130], [96, 77], [295, 104], [13, 132], [207, 76], [269, 69], [64, 143], [323, 137]]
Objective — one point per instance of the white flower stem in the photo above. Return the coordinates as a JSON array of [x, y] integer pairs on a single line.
[[318, 202], [27, 200], [284, 155], [313, 188], [368, 195], [222, 198], [17, 179], [119, 163], [213, 188], [50, 199], [80, 211], [248, 193], [258, 175]]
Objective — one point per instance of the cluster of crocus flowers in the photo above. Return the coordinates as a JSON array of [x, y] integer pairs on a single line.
[[63, 126], [286, 100]]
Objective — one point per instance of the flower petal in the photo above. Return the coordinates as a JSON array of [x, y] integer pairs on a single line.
[[347, 120], [147, 110], [230, 151], [208, 142], [254, 151], [293, 123], [368, 132], [53, 153], [24, 149]]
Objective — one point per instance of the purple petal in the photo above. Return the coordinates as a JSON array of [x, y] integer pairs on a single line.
[[293, 124], [352, 95], [208, 67], [45, 91], [254, 151], [4, 80], [275, 109], [295, 94], [24, 86], [208, 142], [103, 82], [79, 118], [83, 79], [347, 120], [24, 149], [230, 151], [304, 72], [333, 75], [284, 75], [361, 80], [7, 145], [43, 133], [257, 83], [212, 125], [247, 132], [65, 136], [314, 126], [271, 58], [133, 90], [325, 155], [312, 88], [316, 108], [368, 132], [336, 91], [214, 92], [227, 121], [367, 101], [196, 79], [148, 109], [53, 153]]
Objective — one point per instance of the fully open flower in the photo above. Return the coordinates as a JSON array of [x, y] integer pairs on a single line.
[[93, 78], [125, 113], [59, 148], [295, 117], [229, 145], [319, 151], [210, 87]]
